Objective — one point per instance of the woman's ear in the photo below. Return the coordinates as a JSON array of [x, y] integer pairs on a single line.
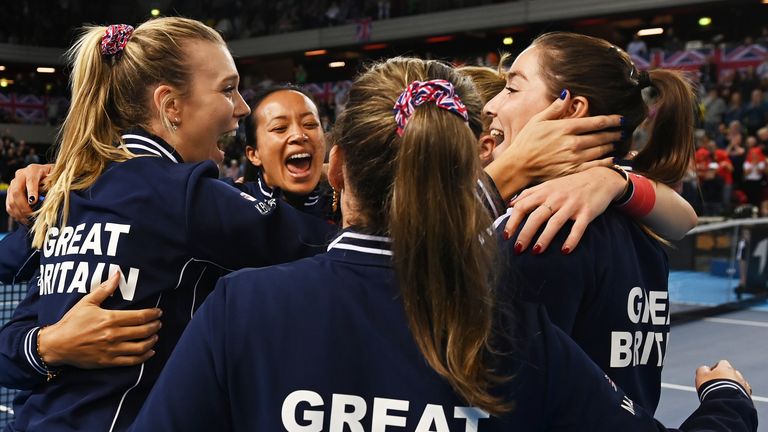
[[335, 168], [252, 153], [167, 104], [578, 107], [487, 144]]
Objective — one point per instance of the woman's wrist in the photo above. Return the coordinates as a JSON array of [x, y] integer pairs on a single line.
[[625, 192], [508, 175], [46, 349]]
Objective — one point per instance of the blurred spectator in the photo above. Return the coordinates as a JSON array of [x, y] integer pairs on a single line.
[[755, 113], [737, 152], [713, 107], [706, 169], [735, 108], [31, 157], [754, 173], [725, 176]]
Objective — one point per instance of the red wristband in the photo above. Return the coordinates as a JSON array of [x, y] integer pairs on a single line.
[[643, 198]]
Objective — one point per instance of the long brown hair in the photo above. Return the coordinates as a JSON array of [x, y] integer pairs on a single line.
[[110, 94], [605, 75], [420, 190]]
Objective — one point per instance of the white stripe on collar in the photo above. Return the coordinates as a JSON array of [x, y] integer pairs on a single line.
[[143, 147], [153, 143], [488, 198], [261, 187], [352, 235]]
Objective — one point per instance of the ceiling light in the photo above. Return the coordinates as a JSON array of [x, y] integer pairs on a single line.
[[650, 31]]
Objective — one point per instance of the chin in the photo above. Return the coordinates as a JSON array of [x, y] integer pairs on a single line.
[[300, 189]]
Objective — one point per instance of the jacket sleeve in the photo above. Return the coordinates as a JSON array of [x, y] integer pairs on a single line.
[[235, 230], [20, 365], [724, 406], [191, 393], [18, 260]]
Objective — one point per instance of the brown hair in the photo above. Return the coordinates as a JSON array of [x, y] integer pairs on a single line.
[[110, 94], [605, 75], [420, 190], [488, 82]]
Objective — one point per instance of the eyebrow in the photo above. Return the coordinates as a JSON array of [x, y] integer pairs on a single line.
[[233, 77], [285, 117], [512, 74]]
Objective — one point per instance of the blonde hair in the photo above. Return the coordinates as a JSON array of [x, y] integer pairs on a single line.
[[420, 190], [110, 94], [489, 82]]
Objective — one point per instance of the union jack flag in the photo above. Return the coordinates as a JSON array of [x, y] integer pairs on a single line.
[[363, 29], [742, 57], [25, 108], [323, 92], [684, 60]]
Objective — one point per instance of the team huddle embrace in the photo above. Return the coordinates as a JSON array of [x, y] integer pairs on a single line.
[[471, 258]]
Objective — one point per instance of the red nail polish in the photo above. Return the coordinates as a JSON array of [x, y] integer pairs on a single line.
[[518, 248], [506, 235], [565, 250], [536, 249]]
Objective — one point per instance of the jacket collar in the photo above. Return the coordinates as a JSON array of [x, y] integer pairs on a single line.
[[361, 248], [138, 141]]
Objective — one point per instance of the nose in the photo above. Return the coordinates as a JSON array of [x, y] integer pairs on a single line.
[[490, 108], [298, 136], [241, 108]]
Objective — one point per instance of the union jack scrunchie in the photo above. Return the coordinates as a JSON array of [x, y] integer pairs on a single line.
[[419, 92], [115, 38]]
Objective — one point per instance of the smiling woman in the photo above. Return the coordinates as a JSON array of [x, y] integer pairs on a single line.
[[133, 199], [285, 144]]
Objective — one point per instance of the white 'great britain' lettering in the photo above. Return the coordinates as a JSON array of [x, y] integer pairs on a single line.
[[635, 348], [84, 239], [348, 411]]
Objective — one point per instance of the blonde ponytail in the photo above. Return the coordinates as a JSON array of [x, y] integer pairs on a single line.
[[109, 95]]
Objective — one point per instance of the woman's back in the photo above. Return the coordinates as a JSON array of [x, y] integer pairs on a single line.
[[610, 295], [273, 351], [280, 360]]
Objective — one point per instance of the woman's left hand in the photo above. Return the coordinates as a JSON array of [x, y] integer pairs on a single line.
[[580, 197]]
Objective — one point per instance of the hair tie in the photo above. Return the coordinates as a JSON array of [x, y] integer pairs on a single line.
[[640, 78], [419, 92], [115, 38]]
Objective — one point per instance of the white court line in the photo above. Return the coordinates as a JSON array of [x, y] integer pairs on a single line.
[[4, 408], [693, 390], [737, 322]]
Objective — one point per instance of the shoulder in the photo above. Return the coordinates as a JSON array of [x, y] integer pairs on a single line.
[[292, 286]]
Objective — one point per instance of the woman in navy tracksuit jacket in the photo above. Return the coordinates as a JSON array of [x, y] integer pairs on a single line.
[[609, 293], [137, 206], [398, 324]]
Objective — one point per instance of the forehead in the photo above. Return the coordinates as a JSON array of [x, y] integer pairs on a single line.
[[526, 64], [209, 60], [285, 102]]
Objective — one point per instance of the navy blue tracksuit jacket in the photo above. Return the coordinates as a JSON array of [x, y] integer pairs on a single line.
[[323, 344], [317, 203], [610, 295], [171, 229]]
